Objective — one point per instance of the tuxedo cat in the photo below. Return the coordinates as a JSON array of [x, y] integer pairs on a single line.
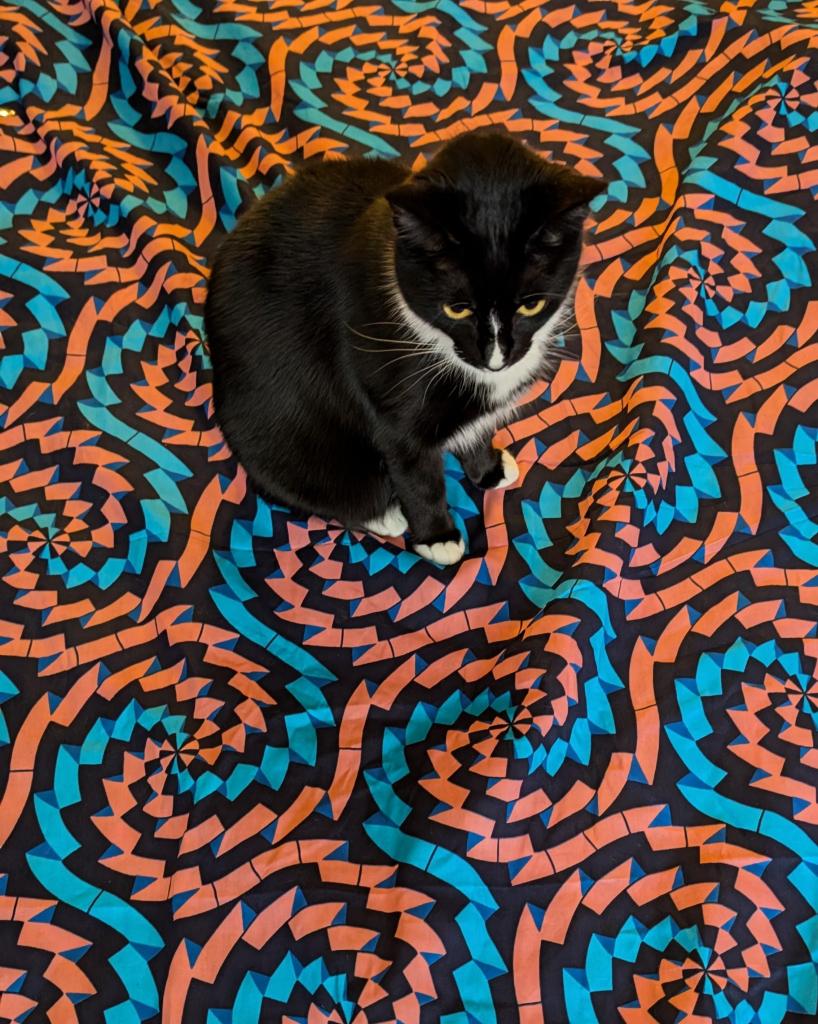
[[362, 319]]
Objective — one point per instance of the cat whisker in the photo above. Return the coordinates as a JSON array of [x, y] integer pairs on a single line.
[[441, 372], [568, 319], [397, 359], [391, 341], [392, 345], [431, 381], [380, 323], [381, 350], [387, 341], [423, 369], [361, 334]]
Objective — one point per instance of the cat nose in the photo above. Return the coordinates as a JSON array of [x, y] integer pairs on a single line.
[[496, 358]]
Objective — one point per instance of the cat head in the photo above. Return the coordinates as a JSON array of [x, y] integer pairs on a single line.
[[487, 245]]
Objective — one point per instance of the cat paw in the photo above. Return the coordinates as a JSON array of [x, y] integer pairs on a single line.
[[511, 471], [504, 474], [391, 524], [443, 552]]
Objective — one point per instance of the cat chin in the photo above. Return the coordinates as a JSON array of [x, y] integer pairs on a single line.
[[502, 387]]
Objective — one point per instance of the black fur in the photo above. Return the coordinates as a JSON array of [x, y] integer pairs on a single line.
[[318, 386]]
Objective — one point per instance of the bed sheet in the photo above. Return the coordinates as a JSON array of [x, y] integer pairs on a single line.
[[255, 769]]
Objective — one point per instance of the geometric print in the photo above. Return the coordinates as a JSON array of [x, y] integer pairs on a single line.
[[257, 769]]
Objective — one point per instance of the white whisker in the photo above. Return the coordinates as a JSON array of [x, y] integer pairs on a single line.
[[441, 372], [389, 341], [411, 355], [422, 370]]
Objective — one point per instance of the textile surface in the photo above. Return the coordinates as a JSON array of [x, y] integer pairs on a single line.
[[257, 770]]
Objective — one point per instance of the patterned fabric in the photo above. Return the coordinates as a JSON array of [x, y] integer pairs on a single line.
[[259, 770]]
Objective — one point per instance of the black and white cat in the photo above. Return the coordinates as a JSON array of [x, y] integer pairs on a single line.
[[361, 320]]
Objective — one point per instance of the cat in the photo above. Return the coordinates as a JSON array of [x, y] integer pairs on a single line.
[[362, 319]]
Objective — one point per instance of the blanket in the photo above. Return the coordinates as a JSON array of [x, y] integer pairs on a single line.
[[256, 769]]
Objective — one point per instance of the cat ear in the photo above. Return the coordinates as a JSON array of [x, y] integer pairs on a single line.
[[415, 214], [559, 207], [577, 200], [247, 198], [578, 191]]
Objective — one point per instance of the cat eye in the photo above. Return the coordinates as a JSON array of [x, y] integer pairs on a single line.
[[532, 307], [457, 312]]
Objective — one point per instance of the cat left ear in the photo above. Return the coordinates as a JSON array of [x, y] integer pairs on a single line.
[[414, 214], [577, 200], [579, 191], [561, 207]]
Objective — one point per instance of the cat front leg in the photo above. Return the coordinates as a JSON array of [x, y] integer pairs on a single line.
[[421, 488], [489, 468]]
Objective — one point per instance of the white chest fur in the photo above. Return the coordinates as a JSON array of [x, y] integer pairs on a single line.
[[500, 389]]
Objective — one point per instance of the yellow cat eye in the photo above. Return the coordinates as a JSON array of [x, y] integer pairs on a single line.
[[532, 308], [456, 312]]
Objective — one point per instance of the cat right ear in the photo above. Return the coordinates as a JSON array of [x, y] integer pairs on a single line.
[[413, 214]]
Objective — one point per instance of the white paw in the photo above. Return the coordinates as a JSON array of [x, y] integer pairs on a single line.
[[511, 471], [444, 552], [391, 524]]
